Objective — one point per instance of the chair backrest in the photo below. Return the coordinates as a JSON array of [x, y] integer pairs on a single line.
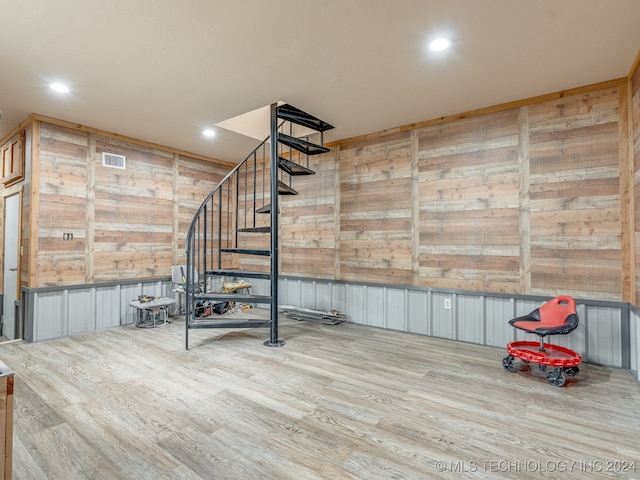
[[559, 312]]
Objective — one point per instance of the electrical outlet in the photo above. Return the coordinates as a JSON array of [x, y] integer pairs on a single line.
[[447, 304]]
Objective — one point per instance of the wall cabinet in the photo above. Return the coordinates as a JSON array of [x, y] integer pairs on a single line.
[[13, 159]]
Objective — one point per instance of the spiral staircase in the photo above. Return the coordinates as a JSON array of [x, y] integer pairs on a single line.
[[234, 233]]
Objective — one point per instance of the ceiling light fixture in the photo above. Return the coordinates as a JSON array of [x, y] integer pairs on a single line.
[[209, 133], [440, 44], [59, 87]]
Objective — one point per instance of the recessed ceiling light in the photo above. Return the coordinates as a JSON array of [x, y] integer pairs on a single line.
[[59, 87], [209, 133], [439, 44]]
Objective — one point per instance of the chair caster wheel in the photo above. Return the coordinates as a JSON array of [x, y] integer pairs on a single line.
[[556, 377], [571, 371], [507, 363]]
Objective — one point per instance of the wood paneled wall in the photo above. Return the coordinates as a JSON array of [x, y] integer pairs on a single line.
[[126, 223], [469, 203], [375, 209], [635, 152], [574, 177], [523, 199], [308, 233]]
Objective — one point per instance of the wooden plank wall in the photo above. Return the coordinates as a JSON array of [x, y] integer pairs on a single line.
[[307, 222], [194, 179], [63, 171], [127, 223], [575, 196], [133, 213], [469, 207], [525, 200], [375, 209], [635, 147]]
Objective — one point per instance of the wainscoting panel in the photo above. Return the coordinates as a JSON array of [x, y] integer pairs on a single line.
[[81, 310], [442, 324], [471, 319], [497, 313], [418, 318], [374, 301], [127, 293], [396, 309], [604, 329], [54, 312], [356, 307], [608, 332], [605, 335], [634, 334], [48, 315], [322, 296], [108, 312]]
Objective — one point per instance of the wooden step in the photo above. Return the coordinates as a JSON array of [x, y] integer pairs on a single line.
[[247, 251], [301, 145], [212, 322], [295, 115], [293, 168], [239, 274], [284, 189]]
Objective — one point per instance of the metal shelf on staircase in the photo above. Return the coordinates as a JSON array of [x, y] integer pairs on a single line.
[[293, 168], [266, 229], [239, 273], [228, 323], [284, 189], [304, 146], [264, 209], [233, 297], [247, 251], [295, 115]]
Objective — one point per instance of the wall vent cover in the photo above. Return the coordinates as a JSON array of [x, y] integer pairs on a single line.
[[114, 160]]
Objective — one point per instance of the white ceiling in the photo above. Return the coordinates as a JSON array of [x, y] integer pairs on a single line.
[[162, 70]]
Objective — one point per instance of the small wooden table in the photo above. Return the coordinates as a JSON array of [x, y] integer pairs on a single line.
[[154, 313]]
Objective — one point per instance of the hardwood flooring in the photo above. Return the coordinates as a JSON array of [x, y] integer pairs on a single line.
[[336, 402]]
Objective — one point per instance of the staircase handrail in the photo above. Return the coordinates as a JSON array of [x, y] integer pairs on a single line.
[[196, 216]]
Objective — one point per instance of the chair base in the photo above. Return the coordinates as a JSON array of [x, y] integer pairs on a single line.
[[564, 359]]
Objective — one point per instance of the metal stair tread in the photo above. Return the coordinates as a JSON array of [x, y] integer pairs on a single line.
[[293, 168], [209, 322], [266, 229], [295, 115], [284, 189], [239, 273], [233, 297], [264, 209], [247, 251], [301, 145]]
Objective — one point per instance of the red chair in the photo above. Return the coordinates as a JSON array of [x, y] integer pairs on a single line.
[[556, 317]]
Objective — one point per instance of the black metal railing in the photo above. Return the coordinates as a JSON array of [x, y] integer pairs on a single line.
[[230, 207]]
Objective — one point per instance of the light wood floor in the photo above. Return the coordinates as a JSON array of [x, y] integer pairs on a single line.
[[336, 402]]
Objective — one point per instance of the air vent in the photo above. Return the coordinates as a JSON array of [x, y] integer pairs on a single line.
[[113, 160]]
